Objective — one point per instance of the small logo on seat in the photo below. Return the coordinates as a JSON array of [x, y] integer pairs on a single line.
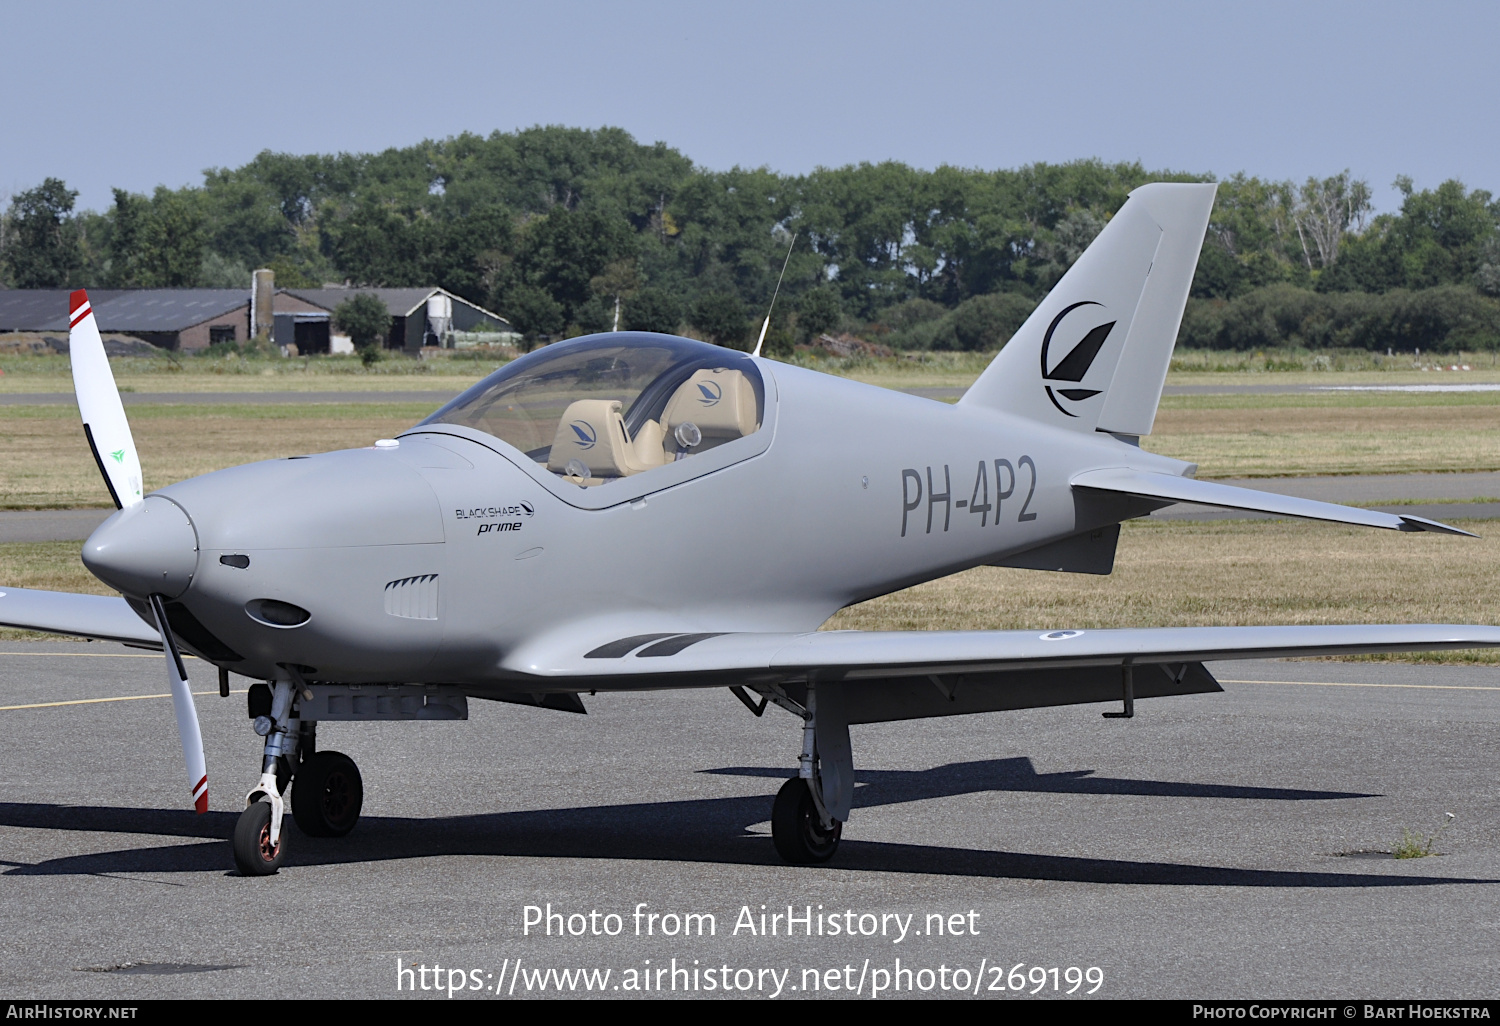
[[584, 433], [712, 393], [1075, 365]]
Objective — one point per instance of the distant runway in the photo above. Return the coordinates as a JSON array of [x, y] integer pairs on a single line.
[[1228, 845], [436, 398], [77, 524]]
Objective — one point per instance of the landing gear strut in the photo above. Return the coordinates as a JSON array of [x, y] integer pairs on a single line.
[[327, 792], [808, 816]]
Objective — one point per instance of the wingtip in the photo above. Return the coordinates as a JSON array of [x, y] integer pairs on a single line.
[[77, 299], [1409, 523]]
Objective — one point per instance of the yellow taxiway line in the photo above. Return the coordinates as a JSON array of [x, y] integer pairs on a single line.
[[95, 701], [96, 655]]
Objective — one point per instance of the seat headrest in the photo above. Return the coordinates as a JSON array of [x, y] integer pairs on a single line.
[[719, 400], [593, 431]]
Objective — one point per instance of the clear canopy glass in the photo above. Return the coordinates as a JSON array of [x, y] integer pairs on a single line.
[[602, 407]]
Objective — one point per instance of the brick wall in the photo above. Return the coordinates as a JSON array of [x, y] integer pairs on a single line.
[[197, 337]]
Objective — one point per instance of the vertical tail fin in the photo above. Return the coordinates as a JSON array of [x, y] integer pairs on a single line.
[[1094, 354]]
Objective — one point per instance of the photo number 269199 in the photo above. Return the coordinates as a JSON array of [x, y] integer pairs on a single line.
[[1007, 476]]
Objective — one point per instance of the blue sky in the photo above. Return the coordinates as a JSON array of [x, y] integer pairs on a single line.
[[141, 93]]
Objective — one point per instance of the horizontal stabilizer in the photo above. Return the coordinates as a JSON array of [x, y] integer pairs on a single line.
[[1170, 488], [100, 617]]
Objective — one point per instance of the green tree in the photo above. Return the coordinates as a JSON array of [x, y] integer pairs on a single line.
[[819, 311], [987, 322], [562, 252], [722, 317], [172, 240], [1487, 277], [157, 242], [367, 322], [533, 312], [41, 247], [653, 309]]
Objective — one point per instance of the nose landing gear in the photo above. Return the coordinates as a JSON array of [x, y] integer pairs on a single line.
[[327, 791], [255, 853]]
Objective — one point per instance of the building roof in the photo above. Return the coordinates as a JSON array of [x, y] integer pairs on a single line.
[[40, 309], [123, 310], [400, 302]]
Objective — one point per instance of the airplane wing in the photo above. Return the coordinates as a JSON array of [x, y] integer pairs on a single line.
[[1171, 488], [100, 617], [899, 675], [856, 655]]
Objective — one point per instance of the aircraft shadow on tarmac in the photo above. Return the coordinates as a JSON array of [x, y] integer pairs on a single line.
[[710, 830]]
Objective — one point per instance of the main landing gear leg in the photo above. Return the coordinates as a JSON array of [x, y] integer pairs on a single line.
[[807, 819]]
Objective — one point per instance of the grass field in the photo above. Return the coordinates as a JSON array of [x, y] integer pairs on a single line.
[[47, 464], [1166, 574], [1223, 573], [1330, 433]]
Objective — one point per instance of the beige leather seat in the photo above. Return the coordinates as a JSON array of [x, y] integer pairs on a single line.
[[593, 431], [719, 400]]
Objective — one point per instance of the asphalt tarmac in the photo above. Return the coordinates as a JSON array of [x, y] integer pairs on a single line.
[[1214, 846]]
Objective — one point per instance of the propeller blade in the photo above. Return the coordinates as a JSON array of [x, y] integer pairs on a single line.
[[187, 712], [104, 423]]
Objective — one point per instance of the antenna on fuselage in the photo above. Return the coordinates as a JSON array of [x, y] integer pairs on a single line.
[[762, 340]]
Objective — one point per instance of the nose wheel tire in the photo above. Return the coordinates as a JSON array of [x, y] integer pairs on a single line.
[[795, 828], [254, 854], [327, 795]]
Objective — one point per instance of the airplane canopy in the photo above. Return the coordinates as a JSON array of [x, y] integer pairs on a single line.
[[602, 407]]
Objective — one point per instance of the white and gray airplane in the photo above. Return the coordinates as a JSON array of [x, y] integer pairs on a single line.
[[631, 511]]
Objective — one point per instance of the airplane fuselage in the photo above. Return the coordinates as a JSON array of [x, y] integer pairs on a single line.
[[468, 554]]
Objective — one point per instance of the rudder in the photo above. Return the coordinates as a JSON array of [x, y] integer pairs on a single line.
[[1094, 353]]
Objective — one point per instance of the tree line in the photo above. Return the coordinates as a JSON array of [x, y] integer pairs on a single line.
[[564, 230]]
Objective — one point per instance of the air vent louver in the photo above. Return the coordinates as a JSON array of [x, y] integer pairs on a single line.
[[415, 598]]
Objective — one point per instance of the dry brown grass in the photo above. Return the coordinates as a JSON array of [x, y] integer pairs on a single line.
[[1263, 437], [1166, 575], [1180, 574], [48, 566], [47, 465]]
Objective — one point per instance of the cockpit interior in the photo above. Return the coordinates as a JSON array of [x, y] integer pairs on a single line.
[[604, 407]]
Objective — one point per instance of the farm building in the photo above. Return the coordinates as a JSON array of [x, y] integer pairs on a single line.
[[189, 320], [184, 319], [419, 316]]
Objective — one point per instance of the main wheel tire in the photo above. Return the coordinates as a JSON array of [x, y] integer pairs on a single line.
[[327, 795], [254, 854], [795, 828]]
